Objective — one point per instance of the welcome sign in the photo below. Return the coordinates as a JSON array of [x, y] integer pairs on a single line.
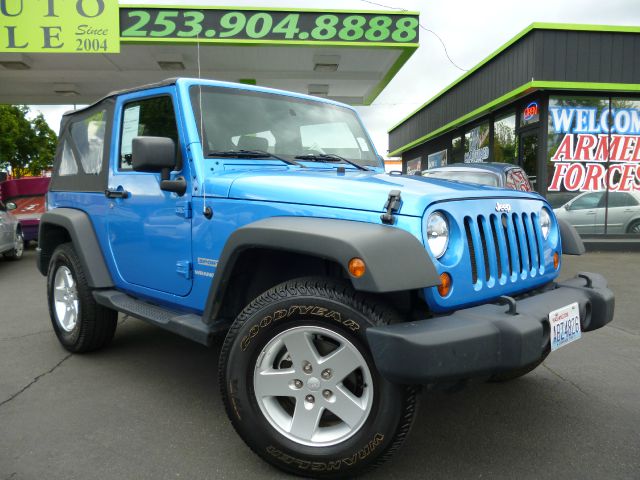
[[600, 149], [63, 26]]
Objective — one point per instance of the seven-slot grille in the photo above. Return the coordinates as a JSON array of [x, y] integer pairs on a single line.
[[508, 244]]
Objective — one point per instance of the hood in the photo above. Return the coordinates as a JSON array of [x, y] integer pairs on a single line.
[[355, 190]]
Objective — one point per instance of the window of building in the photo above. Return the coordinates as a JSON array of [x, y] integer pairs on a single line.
[[505, 141], [476, 144], [457, 150], [151, 117], [414, 165], [437, 159]]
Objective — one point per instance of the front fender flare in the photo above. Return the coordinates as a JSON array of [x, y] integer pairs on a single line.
[[395, 259]]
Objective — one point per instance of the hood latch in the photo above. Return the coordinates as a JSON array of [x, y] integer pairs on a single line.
[[393, 205]]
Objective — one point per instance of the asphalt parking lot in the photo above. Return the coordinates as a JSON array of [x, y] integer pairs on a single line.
[[148, 406]]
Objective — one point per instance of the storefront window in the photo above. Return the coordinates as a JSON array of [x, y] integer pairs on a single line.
[[457, 150], [594, 147], [414, 165], [577, 161], [505, 142], [623, 199], [437, 159], [476, 144]]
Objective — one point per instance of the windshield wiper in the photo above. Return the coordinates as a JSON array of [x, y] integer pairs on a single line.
[[329, 157], [257, 154]]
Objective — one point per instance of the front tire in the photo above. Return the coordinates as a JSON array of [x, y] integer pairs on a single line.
[[300, 386], [18, 247], [634, 227], [81, 325]]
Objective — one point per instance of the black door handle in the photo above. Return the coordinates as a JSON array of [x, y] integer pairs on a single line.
[[112, 193]]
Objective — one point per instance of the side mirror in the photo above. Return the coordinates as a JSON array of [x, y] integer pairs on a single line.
[[153, 154], [11, 206]]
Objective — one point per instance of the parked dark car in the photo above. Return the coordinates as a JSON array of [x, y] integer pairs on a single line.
[[494, 174]]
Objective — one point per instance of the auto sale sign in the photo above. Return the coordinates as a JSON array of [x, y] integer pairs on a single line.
[[59, 26], [600, 149]]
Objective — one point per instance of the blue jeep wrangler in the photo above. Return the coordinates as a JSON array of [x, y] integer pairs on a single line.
[[210, 208]]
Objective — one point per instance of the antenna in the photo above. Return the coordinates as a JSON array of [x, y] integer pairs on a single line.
[[206, 211]]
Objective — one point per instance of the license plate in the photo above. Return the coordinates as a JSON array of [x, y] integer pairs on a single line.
[[565, 325]]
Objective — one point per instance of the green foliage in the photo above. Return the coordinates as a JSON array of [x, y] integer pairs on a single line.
[[26, 146]]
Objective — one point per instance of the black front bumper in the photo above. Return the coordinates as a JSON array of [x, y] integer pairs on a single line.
[[486, 339]]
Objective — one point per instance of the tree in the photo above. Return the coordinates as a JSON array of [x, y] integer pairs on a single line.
[[26, 146]]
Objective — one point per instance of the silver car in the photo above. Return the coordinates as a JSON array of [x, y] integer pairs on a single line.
[[587, 212], [11, 238]]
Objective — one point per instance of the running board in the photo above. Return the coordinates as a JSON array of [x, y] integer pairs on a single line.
[[187, 325]]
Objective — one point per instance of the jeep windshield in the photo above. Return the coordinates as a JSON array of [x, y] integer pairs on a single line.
[[289, 128]]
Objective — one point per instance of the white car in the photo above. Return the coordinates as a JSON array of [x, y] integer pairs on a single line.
[[588, 214], [11, 238]]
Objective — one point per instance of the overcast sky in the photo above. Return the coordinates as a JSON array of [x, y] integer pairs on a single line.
[[470, 29]]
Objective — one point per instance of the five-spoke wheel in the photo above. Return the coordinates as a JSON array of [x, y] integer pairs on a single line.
[[313, 385]]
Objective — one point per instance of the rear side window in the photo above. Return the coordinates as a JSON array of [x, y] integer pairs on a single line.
[[621, 199], [68, 164], [518, 180], [82, 157], [151, 117], [88, 138]]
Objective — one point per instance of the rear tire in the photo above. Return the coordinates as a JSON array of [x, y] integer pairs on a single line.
[[288, 396], [81, 325]]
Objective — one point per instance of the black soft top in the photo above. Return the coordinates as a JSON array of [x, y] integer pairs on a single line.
[[163, 83]]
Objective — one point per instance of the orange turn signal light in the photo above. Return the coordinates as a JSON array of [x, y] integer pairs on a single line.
[[357, 267], [445, 284], [556, 260]]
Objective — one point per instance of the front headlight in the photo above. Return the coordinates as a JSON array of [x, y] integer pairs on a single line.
[[545, 223], [437, 234]]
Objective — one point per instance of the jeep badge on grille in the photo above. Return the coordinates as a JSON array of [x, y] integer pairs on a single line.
[[503, 207]]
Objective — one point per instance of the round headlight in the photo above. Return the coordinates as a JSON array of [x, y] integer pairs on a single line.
[[437, 234], [545, 222]]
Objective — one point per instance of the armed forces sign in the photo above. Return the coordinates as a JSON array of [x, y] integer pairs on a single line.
[[599, 147]]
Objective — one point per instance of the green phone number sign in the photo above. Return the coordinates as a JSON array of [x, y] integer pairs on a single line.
[[218, 25]]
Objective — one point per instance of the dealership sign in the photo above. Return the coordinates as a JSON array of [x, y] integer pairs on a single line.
[[246, 25], [63, 26], [598, 150], [99, 26]]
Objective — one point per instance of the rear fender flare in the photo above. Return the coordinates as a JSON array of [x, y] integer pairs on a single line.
[[79, 229]]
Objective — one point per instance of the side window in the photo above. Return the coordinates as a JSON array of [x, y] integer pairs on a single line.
[[620, 199], [152, 117], [590, 200]]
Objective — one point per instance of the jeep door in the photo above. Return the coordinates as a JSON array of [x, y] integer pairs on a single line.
[[149, 229]]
